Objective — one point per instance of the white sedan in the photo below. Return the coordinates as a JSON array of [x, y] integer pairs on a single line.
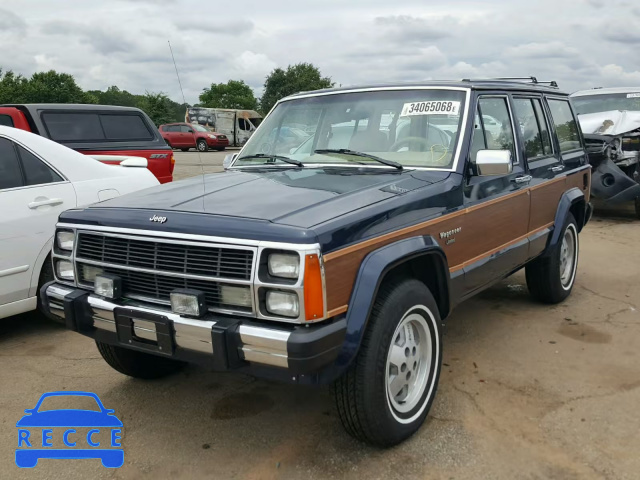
[[38, 180]]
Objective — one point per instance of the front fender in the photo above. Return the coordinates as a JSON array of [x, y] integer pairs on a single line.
[[372, 271]]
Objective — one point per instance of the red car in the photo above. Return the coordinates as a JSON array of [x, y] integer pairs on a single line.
[[186, 135], [96, 130]]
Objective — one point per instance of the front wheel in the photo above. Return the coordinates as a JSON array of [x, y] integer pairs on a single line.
[[387, 392], [137, 364], [202, 146], [550, 279]]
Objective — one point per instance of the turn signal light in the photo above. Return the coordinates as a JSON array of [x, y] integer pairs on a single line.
[[313, 291]]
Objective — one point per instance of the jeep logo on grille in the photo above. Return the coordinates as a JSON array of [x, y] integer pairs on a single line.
[[158, 219]]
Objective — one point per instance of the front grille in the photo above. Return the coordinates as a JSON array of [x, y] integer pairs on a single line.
[[208, 261], [157, 287], [150, 269]]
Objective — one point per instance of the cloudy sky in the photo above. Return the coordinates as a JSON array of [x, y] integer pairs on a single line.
[[579, 43]]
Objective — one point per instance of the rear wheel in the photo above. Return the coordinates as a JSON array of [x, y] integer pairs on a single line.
[[202, 146], [550, 279], [387, 392], [137, 364]]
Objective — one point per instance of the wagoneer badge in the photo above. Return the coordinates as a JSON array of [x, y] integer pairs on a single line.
[[450, 232], [158, 219]]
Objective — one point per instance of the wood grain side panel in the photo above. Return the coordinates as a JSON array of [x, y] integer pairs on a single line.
[[544, 202], [484, 227]]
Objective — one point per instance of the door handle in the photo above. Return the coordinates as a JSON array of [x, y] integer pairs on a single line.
[[523, 179], [42, 203], [558, 168]]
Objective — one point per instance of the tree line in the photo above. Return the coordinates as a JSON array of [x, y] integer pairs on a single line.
[[55, 87]]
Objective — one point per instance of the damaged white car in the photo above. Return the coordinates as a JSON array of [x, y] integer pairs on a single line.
[[610, 121]]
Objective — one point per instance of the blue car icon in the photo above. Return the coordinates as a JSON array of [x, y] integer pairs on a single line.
[[32, 446]]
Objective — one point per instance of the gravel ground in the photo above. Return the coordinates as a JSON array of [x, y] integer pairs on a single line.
[[528, 392]]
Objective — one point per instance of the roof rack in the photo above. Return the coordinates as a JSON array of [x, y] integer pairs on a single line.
[[533, 80]]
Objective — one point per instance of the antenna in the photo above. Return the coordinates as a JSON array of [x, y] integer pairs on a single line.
[[184, 101]]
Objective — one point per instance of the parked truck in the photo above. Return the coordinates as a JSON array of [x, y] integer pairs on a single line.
[[237, 125]]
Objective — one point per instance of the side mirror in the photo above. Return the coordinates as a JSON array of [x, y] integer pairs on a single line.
[[228, 160], [494, 162]]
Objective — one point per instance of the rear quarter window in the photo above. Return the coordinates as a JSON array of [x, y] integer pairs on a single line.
[[95, 127], [566, 125]]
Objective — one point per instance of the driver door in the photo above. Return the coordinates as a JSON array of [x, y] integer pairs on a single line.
[[498, 205]]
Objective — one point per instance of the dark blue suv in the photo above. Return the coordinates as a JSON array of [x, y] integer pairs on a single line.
[[338, 261]]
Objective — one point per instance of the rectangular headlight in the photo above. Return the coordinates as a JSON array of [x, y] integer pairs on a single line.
[[65, 240], [284, 265], [188, 302], [64, 270], [106, 285], [285, 304]]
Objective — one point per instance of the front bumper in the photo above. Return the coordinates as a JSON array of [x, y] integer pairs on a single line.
[[297, 353]]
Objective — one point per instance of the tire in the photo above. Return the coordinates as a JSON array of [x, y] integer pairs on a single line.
[[46, 275], [202, 146], [137, 364], [184, 149], [366, 407], [550, 279], [638, 208]]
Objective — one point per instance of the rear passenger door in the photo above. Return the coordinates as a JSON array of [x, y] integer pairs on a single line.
[[188, 138], [498, 205], [544, 164]]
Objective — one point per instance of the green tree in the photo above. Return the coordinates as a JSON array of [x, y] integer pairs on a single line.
[[114, 96], [296, 78], [54, 87], [12, 87], [157, 106], [233, 94]]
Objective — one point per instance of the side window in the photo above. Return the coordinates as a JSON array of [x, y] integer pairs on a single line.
[[543, 125], [529, 122], [185, 129], [6, 120], [497, 135], [566, 126], [173, 128], [243, 124], [10, 174], [36, 172]]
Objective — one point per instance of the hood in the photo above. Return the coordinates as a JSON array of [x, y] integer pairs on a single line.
[[301, 197], [614, 122]]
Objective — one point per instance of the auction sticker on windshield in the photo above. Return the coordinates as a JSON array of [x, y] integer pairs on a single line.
[[633, 95], [433, 107]]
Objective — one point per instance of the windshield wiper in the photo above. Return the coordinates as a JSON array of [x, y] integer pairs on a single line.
[[346, 151], [276, 157]]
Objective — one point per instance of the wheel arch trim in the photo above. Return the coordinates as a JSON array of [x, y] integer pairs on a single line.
[[570, 201], [372, 272]]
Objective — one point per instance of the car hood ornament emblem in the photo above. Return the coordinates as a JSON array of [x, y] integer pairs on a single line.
[[158, 219]]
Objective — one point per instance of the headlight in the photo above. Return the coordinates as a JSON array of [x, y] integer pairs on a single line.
[[64, 270], [65, 240], [212, 136], [285, 304], [284, 265]]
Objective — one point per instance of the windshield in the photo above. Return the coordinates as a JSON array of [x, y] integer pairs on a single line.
[[605, 103], [199, 128], [415, 128]]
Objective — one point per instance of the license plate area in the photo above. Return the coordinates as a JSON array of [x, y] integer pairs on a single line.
[[145, 331]]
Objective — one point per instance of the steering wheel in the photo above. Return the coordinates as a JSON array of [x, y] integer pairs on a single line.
[[400, 143]]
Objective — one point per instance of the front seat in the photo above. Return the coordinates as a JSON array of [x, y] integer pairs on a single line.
[[369, 141]]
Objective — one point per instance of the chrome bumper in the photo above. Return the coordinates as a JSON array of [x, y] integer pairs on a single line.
[[259, 345]]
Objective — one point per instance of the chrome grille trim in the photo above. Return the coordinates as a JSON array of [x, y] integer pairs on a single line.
[[163, 280]]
